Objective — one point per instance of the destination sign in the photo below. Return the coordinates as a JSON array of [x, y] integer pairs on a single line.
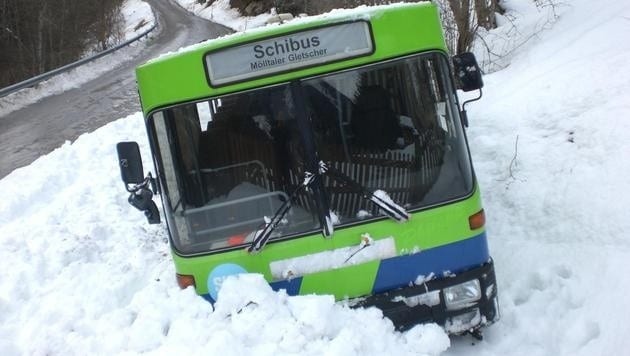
[[289, 52]]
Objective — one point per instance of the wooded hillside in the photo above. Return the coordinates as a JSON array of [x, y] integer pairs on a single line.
[[37, 36]]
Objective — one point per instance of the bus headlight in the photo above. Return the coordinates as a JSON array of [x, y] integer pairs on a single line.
[[462, 295]]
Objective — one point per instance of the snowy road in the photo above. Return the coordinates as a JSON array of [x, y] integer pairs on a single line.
[[37, 129]]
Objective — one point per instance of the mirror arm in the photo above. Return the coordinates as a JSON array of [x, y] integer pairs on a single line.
[[471, 100], [132, 188], [153, 183], [142, 200], [149, 181], [463, 114]]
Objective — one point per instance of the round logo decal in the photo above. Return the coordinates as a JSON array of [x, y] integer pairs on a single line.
[[219, 274]]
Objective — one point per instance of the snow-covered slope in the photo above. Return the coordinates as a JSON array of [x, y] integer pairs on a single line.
[[219, 11], [82, 273], [558, 201]]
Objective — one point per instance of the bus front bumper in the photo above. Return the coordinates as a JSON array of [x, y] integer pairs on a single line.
[[460, 304]]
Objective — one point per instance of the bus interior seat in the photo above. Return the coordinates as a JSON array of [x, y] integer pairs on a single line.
[[374, 123]]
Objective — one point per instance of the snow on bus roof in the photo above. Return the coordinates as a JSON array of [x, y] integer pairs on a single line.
[[363, 12]]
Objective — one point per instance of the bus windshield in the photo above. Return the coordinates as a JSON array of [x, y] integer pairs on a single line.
[[228, 163]]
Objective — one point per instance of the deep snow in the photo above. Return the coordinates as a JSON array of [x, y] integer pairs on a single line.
[[220, 12], [83, 273]]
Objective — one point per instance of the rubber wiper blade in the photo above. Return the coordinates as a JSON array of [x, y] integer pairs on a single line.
[[389, 207], [378, 197], [263, 234]]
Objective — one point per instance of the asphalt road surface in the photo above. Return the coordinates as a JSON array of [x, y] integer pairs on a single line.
[[41, 127]]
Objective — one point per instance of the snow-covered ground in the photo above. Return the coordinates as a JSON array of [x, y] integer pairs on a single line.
[[138, 18], [221, 12], [558, 200], [524, 21], [82, 273]]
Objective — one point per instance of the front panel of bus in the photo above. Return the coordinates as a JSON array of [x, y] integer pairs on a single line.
[[235, 159]]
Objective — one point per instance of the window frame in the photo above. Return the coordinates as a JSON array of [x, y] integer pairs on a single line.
[[444, 71]]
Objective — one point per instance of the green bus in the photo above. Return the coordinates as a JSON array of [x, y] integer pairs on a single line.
[[328, 154]]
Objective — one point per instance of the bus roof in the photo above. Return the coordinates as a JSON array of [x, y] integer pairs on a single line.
[[187, 75]]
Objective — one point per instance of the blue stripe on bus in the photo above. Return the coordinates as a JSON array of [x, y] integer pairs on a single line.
[[292, 286], [456, 257], [399, 271], [208, 298]]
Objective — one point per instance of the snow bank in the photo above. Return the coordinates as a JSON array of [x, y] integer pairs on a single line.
[[557, 201], [221, 12], [83, 273], [522, 23], [138, 18]]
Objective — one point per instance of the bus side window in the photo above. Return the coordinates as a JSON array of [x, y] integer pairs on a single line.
[[185, 120]]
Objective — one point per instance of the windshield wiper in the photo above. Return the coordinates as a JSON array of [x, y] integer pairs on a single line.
[[263, 234], [378, 197]]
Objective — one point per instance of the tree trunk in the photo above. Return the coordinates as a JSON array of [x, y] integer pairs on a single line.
[[485, 10], [462, 14], [39, 44]]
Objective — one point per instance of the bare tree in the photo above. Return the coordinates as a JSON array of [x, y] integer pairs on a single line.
[[107, 27], [36, 36], [485, 10], [466, 27]]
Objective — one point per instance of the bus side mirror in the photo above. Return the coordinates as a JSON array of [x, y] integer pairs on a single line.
[[467, 72], [130, 163], [132, 174]]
